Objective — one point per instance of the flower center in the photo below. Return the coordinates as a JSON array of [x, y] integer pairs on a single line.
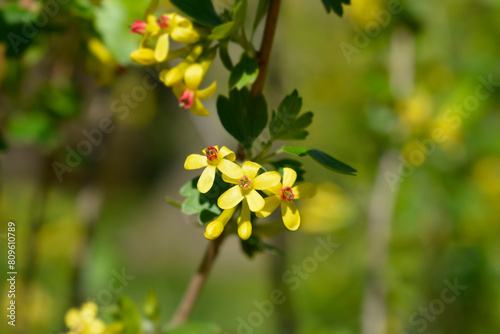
[[245, 182], [138, 27], [163, 21], [287, 193], [211, 153], [187, 99]]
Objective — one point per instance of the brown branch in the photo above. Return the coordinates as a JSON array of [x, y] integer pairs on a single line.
[[193, 291], [265, 48]]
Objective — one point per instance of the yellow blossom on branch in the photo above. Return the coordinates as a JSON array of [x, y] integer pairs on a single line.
[[160, 30], [188, 93], [212, 160], [84, 321], [245, 192], [284, 194]]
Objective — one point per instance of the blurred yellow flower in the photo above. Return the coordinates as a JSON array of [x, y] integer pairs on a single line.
[[188, 94], [415, 112], [213, 159], [362, 11], [486, 175], [329, 210], [84, 321], [284, 194], [161, 30], [245, 192]]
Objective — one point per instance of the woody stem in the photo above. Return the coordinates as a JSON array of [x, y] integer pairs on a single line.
[[267, 43], [195, 286]]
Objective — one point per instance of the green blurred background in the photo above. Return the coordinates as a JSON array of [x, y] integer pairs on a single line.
[[379, 90]]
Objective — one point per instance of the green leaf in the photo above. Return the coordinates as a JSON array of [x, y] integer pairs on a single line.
[[262, 9], [203, 205], [254, 245], [227, 29], [290, 163], [322, 158], [112, 22], [239, 13], [245, 72], [222, 31], [224, 55], [196, 328], [336, 5], [130, 316], [201, 11], [244, 116], [285, 124]]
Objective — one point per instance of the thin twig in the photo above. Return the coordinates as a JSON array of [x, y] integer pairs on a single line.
[[265, 49], [193, 291]]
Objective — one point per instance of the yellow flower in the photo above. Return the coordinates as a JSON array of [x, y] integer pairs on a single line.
[[188, 94], [213, 160], [174, 75], [162, 29], [245, 191], [284, 194], [215, 228], [84, 321]]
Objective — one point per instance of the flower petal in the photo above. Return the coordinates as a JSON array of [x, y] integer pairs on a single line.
[[143, 56], [178, 89], [251, 169], [72, 318], [291, 216], [206, 179], [227, 179], [227, 153], [230, 169], [207, 92], [289, 177], [305, 190], [214, 230], [195, 161], [185, 35], [244, 224], [255, 201], [267, 180], [193, 76], [88, 311], [271, 203], [174, 75], [161, 48], [230, 198], [198, 108]]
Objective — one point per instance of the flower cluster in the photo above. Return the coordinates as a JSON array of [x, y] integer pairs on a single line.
[[249, 185], [186, 77], [84, 321]]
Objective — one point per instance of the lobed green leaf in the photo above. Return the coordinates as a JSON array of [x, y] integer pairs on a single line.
[[285, 124]]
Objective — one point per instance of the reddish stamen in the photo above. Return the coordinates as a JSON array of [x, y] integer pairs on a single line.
[[287, 193], [138, 27], [163, 21], [211, 153], [245, 182], [187, 99]]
